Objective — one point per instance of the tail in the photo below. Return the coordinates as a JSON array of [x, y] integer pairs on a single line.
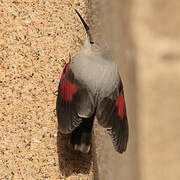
[[86, 27], [81, 136]]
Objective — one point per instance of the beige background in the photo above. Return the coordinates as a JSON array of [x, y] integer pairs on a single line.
[[145, 40], [36, 38]]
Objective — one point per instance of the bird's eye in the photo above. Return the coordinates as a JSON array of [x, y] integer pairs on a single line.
[[91, 42]]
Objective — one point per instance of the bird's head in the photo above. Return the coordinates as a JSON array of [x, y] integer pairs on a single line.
[[93, 43]]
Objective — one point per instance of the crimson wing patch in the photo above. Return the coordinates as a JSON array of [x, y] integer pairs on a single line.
[[67, 89], [120, 104], [111, 114]]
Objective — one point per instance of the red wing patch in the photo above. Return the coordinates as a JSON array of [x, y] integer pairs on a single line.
[[120, 103], [67, 90]]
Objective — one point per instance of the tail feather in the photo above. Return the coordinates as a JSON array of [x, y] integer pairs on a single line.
[[81, 136]]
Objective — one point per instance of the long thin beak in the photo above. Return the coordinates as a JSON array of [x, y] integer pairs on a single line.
[[85, 26], [82, 20]]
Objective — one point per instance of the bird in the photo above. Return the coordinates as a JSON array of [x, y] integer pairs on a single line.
[[90, 86]]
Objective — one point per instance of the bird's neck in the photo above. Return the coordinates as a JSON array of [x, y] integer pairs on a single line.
[[87, 49]]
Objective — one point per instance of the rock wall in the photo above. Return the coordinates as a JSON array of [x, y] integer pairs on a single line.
[[36, 38]]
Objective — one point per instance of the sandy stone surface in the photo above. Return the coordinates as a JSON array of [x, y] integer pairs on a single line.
[[36, 38], [145, 40]]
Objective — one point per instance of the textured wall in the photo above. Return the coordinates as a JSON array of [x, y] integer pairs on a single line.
[[35, 39]]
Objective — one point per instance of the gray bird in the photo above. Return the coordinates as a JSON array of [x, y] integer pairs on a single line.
[[91, 86]]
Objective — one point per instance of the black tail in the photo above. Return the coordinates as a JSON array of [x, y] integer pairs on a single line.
[[81, 136], [85, 26]]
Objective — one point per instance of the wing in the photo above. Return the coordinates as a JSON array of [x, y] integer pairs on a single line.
[[111, 114], [73, 102]]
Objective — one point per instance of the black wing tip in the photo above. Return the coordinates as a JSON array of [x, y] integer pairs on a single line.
[[122, 147], [120, 141], [122, 150]]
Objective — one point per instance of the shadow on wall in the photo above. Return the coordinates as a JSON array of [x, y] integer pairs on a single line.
[[70, 161]]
